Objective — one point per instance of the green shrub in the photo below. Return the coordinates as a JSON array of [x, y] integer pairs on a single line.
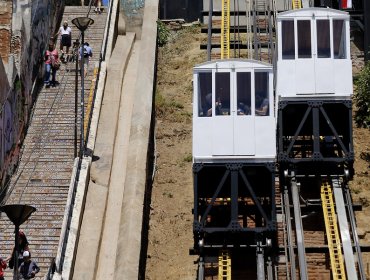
[[362, 97], [163, 33]]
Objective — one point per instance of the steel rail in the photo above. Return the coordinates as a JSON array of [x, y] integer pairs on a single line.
[[356, 241], [290, 234]]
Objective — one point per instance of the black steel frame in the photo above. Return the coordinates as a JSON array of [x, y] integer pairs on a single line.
[[289, 138], [235, 181]]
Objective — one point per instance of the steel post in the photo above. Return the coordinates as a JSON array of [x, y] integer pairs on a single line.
[[299, 231], [82, 141]]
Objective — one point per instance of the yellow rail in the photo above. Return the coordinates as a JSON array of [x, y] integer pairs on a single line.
[[332, 234], [89, 102], [224, 265], [225, 30], [297, 4]]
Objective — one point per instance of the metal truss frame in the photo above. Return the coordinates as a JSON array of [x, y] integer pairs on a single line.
[[236, 181], [310, 128]]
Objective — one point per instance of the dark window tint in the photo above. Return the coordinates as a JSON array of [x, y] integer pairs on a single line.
[[287, 33], [323, 38], [339, 38], [243, 101], [222, 100], [304, 39], [205, 94], [261, 87]]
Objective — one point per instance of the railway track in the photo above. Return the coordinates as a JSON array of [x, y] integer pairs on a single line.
[[43, 175], [297, 255]]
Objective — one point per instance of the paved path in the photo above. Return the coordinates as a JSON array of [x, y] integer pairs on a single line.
[[43, 177]]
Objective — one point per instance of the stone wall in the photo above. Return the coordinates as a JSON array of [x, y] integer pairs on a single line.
[[25, 30], [5, 28]]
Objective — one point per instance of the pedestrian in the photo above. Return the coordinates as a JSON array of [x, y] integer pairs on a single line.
[[87, 53], [2, 267], [97, 7], [52, 65], [28, 268], [65, 33], [23, 246]]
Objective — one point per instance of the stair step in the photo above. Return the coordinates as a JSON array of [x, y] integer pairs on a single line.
[[44, 172]]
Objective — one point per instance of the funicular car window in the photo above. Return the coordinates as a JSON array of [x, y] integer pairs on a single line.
[[304, 39], [205, 94], [339, 38], [243, 93], [288, 50], [222, 100], [323, 38], [262, 101]]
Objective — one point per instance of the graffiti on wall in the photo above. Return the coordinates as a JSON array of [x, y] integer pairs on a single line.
[[8, 126], [29, 52]]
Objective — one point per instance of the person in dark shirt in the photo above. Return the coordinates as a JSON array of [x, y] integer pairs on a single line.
[[23, 246], [28, 268]]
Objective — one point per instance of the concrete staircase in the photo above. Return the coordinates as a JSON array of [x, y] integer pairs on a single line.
[[43, 176]]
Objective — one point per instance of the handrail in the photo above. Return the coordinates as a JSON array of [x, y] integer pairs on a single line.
[[106, 33]]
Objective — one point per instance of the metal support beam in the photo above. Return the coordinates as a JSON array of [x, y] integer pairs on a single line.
[[289, 234], [316, 132], [354, 235], [260, 262], [270, 274], [344, 231], [234, 197], [201, 269], [299, 230], [366, 5], [209, 43], [255, 30]]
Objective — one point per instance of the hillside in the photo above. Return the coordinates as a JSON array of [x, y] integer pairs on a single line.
[[170, 235]]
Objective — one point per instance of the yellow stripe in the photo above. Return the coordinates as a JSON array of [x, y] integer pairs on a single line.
[[225, 30], [224, 265], [90, 101], [332, 233]]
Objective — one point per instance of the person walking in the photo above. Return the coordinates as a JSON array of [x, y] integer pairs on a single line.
[[65, 33], [28, 268], [2, 267], [52, 65], [23, 246], [86, 52], [97, 6]]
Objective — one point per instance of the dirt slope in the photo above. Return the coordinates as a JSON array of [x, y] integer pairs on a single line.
[[170, 235]]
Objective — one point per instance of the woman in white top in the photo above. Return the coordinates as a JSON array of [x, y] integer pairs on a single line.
[[65, 33]]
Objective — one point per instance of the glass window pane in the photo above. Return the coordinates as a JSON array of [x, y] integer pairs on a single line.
[[261, 86], [304, 38], [222, 101], [244, 93], [287, 33], [205, 94], [323, 38], [339, 37]]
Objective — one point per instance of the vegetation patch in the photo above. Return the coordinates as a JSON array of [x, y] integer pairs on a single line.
[[362, 98]]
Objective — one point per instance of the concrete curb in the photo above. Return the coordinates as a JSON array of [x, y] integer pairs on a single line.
[[93, 217], [68, 264], [129, 240], [66, 212]]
